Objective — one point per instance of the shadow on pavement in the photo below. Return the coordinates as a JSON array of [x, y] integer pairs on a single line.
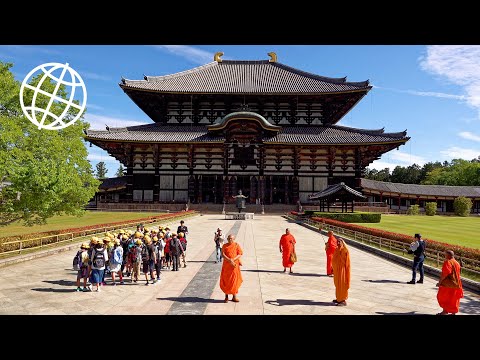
[[385, 281], [470, 305], [53, 290], [309, 274], [399, 313], [61, 282], [192, 299], [284, 302], [264, 271]]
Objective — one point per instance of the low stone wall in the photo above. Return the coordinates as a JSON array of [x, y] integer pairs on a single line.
[[140, 207]]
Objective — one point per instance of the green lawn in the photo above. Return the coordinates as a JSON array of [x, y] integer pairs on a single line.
[[450, 229], [66, 222]]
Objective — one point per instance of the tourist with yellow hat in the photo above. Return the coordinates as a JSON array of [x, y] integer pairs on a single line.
[[93, 242], [80, 263], [108, 244], [115, 262], [149, 259], [99, 261], [159, 244], [136, 254]]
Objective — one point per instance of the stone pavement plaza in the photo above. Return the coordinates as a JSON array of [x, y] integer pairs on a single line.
[[47, 285]]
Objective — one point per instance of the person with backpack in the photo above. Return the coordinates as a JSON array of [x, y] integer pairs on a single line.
[[115, 262], [183, 242], [149, 259], [158, 244], [99, 260], [136, 256], [175, 251], [80, 263], [124, 245], [417, 248], [108, 245]]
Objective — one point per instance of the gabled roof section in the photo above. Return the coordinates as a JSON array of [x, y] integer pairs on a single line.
[[244, 115], [245, 77], [333, 189]]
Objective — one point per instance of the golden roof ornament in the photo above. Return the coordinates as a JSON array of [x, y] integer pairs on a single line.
[[273, 57], [217, 57]]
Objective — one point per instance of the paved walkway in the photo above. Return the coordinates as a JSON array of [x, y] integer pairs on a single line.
[[46, 285]]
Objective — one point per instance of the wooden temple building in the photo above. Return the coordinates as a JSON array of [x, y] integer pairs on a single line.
[[258, 126]]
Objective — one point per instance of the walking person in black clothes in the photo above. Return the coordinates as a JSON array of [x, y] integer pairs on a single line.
[[175, 251], [417, 248], [182, 229]]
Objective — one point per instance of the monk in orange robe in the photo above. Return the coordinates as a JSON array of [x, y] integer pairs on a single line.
[[287, 246], [330, 247], [449, 295], [231, 277], [341, 273]]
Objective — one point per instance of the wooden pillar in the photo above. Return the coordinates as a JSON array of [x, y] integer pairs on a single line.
[[399, 197], [156, 181], [226, 179], [381, 197], [286, 188], [358, 169], [295, 190], [129, 188], [200, 191]]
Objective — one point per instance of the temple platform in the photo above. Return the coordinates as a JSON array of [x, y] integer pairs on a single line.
[[239, 216]]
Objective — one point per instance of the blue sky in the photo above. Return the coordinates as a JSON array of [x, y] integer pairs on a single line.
[[432, 91]]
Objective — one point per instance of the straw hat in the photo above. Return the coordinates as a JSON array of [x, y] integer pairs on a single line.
[[94, 240], [117, 241], [181, 234], [85, 246], [125, 237], [155, 239], [106, 239], [138, 242], [146, 229], [138, 234], [154, 231], [121, 231], [130, 232], [147, 239]]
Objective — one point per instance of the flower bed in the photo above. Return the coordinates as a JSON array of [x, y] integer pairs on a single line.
[[93, 227], [431, 244]]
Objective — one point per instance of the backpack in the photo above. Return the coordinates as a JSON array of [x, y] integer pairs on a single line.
[[77, 261], [145, 255], [98, 259]]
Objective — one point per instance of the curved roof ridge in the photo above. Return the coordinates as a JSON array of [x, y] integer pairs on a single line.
[[177, 74], [342, 80], [366, 131]]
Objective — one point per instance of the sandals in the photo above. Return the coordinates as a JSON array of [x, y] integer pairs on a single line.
[[235, 299]]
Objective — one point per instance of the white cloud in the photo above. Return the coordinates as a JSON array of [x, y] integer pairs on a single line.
[[98, 122], [460, 65], [95, 107], [190, 53], [407, 158], [425, 93], [380, 165], [469, 136], [455, 152], [93, 76], [31, 49], [104, 158]]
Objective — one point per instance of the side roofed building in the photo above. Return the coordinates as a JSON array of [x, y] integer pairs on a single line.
[[253, 125]]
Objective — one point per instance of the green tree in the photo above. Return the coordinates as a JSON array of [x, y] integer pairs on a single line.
[[101, 171], [458, 172], [44, 172], [462, 206], [374, 174], [428, 167], [406, 175], [120, 171]]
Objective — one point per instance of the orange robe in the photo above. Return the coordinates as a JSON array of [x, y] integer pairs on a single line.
[[449, 298], [341, 272], [231, 277], [286, 243], [330, 250]]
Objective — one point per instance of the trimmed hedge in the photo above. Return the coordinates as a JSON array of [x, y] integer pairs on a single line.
[[462, 206], [430, 208], [431, 244], [356, 217], [413, 210]]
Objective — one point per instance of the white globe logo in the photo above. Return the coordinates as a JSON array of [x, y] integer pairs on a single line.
[[45, 118]]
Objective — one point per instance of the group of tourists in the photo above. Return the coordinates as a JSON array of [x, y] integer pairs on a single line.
[[125, 252], [153, 250]]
